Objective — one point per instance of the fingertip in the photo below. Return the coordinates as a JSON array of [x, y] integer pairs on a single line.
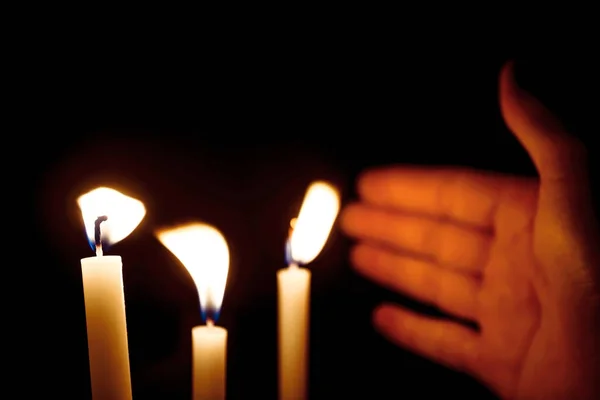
[[382, 315], [363, 256], [354, 253], [363, 181], [357, 258], [343, 216], [549, 144], [369, 181], [507, 71], [509, 89], [346, 217], [350, 207], [523, 112]]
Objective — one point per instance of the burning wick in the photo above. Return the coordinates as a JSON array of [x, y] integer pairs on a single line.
[[291, 263], [97, 234], [210, 323]]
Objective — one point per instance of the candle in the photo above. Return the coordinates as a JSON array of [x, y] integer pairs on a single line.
[[308, 236], [109, 217], [203, 251], [208, 359]]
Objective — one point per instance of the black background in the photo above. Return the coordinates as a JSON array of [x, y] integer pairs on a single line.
[[232, 135]]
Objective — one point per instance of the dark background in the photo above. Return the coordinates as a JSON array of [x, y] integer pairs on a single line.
[[233, 139]]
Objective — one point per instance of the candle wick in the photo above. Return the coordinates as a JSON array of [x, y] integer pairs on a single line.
[[293, 265], [210, 323], [288, 243], [98, 234]]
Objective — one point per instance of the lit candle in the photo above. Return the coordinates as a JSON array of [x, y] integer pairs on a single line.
[[109, 217], [309, 234], [203, 250]]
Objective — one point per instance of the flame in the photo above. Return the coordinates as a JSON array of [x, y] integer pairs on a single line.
[[312, 227], [203, 251], [123, 214]]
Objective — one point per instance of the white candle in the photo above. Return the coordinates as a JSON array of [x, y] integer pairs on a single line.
[[106, 327], [293, 300], [103, 291], [310, 232], [202, 249], [209, 345]]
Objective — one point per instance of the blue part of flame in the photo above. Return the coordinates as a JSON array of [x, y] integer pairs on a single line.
[[210, 311], [288, 251], [288, 254], [105, 244], [211, 314]]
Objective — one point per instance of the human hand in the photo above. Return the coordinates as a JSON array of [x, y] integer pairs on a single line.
[[519, 257]]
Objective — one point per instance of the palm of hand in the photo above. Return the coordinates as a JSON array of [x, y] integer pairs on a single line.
[[478, 247], [509, 305], [514, 256], [528, 316]]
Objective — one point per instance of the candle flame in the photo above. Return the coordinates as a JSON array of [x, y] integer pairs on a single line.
[[312, 227], [203, 251], [119, 215]]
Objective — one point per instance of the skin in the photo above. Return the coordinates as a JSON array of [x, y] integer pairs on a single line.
[[517, 256]]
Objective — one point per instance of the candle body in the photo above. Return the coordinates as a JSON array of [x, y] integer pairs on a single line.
[[106, 327], [209, 362], [293, 291]]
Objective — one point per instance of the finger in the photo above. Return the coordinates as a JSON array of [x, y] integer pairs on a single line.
[[556, 154], [445, 342], [446, 244], [452, 292], [564, 201], [465, 196]]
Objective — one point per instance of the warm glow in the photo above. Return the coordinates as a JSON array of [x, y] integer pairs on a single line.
[[313, 225], [203, 251], [123, 214]]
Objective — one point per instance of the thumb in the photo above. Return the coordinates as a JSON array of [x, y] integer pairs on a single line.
[[556, 154], [565, 215], [559, 157]]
